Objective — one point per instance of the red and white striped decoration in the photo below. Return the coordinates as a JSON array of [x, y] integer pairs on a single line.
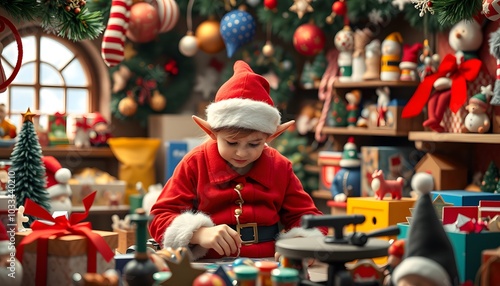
[[112, 49], [491, 9], [168, 11]]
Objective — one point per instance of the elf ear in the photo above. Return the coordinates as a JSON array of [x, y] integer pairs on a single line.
[[282, 128], [204, 126]]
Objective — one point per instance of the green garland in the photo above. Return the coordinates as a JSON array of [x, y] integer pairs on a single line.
[[413, 18], [281, 63], [450, 12], [149, 65]]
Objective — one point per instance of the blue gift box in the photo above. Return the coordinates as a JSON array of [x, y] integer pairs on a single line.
[[465, 198], [121, 260], [467, 248]]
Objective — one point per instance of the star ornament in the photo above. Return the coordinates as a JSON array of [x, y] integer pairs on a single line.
[[28, 116], [301, 7]]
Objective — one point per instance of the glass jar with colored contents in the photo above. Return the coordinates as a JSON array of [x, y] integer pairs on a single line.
[[285, 277], [265, 268], [246, 275]]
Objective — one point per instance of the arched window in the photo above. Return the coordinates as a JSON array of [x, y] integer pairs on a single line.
[[57, 75]]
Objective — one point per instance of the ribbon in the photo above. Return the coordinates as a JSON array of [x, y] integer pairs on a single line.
[[62, 227], [460, 74], [82, 124], [59, 118], [474, 226], [145, 87]]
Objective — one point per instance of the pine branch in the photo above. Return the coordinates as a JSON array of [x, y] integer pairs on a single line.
[[84, 25], [451, 12], [21, 10], [104, 6]]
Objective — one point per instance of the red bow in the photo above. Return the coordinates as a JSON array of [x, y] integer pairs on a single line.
[[61, 227], [171, 67], [474, 226], [59, 118], [145, 87], [459, 74], [82, 124]]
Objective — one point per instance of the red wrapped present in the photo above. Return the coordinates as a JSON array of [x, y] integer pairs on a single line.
[[490, 267], [57, 129]]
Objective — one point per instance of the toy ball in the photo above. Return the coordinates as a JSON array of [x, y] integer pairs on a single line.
[[243, 261], [237, 28], [144, 23], [309, 39], [208, 279]]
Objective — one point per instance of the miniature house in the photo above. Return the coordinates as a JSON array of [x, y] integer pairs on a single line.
[[447, 174]]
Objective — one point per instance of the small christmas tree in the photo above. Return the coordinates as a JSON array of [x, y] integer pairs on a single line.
[[490, 179], [27, 167]]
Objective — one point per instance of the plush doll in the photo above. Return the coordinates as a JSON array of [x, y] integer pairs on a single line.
[[361, 39], [100, 131], [57, 185], [344, 42], [408, 63], [372, 61], [477, 120], [353, 98], [391, 57], [347, 181]]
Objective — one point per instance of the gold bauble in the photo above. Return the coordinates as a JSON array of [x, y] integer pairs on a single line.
[[209, 38], [158, 101], [268, 49], [127, 106]]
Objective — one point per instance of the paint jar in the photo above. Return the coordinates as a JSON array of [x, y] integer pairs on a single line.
[[296, 263], [246, 275], [265, 268], [285, 277]]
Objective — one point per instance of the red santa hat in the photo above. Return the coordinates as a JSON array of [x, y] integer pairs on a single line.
[[4, 240], [410, 52], [243, 101], [57, 177], [98, 118]]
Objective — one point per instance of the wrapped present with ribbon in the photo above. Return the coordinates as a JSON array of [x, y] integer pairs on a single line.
[[56, 248], [57, 129]]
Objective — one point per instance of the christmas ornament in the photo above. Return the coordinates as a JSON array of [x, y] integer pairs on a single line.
[[375, 16], [400, 4], [494, 43], [207, 82], [271, 4], [208, 279], [424, 6], [209, 38], [339, 8], [308, 39], [188, 45], [3, 81], [268, 49], [120, 78], [301, 7], [127, 106], [491, 9], [112, 49], [158, 101], [144, 23], [237, 28], [168, 12], [253, 3]]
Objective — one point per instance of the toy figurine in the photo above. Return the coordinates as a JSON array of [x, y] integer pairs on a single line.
[[396, 252], [353, 98], [430, 61], [82, 134], [7, 129], [408, 63], [57, 184], [372, 60], [383, 100], [391, 57], [381, 187], [100, 131], [344, 42], [477, 120], [347, 181], [361, 39]]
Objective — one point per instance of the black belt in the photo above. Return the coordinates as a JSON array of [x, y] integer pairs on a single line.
[[252, 233]]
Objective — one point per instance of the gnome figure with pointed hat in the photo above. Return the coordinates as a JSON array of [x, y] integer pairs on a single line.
[[429, 258], [57, 184], [100, 131], [229, 196]]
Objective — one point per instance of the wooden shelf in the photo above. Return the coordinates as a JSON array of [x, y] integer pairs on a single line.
[[59, 151], [375, 84], [362, 131], [322, 194], [312, 168], [454, 137]]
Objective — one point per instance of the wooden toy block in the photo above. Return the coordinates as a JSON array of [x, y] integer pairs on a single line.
[[465, 198]]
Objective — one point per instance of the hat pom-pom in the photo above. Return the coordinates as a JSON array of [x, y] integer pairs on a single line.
[[63, 175], [422, 182]]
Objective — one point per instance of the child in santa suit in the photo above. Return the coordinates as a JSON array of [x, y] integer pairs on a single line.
[[227, 196]]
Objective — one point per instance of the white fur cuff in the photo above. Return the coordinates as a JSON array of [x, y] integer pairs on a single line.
[[181, 230], [300, 232]]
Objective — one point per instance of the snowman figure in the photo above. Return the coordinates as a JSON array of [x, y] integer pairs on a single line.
[[391, 57], [477, 120], [344, 42]]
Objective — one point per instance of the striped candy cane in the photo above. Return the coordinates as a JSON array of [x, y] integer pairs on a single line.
[[112, 49]]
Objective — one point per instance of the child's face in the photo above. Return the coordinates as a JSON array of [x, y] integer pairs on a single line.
[[240, 150]]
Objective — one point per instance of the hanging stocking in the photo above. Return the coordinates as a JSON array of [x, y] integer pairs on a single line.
[[113, 42]]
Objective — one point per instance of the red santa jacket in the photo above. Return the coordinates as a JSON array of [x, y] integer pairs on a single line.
[[201, 193]]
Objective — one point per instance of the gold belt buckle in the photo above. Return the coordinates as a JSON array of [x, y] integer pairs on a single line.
[[255, 232]]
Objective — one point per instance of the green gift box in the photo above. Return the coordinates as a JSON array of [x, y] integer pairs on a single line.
[[57, 129]]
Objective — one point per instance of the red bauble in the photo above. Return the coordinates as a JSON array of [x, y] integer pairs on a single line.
[[339, 8], [208, 279], [309, 40], [144, 23], [270, 4]]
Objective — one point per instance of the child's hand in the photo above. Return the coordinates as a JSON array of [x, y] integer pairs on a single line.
[[221, 238]]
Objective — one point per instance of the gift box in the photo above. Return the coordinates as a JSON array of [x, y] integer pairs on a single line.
[[111, 193], [465, 198], [328, 161], [393, 161], [393, 119], [490, 268], [126, 238], [66, 255], [57, 129], [467, 247]]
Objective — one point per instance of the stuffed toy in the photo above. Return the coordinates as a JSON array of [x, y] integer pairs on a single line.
[[409, 62], [391, 57], [344, 42], [57, 184], [477, 121]]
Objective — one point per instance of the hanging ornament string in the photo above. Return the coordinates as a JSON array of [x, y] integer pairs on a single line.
[[4, 21], [189, 16]]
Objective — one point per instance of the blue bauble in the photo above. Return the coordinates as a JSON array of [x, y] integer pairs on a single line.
[[236, 28]]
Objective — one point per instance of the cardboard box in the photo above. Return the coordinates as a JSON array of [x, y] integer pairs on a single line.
[[175, 151], [490, 274], [468, 249], [107, 194], [328, 161], [394, 121], [66, 255], [465, 198], [393, 161]]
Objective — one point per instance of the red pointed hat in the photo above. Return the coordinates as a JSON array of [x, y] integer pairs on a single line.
[[57, 177], [98, 119], [244, 101]]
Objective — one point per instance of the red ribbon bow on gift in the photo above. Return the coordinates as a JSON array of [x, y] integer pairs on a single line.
[[61, 227], [474, 226], [82, 124], [145, 87], [59, 118], [458, 73]]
